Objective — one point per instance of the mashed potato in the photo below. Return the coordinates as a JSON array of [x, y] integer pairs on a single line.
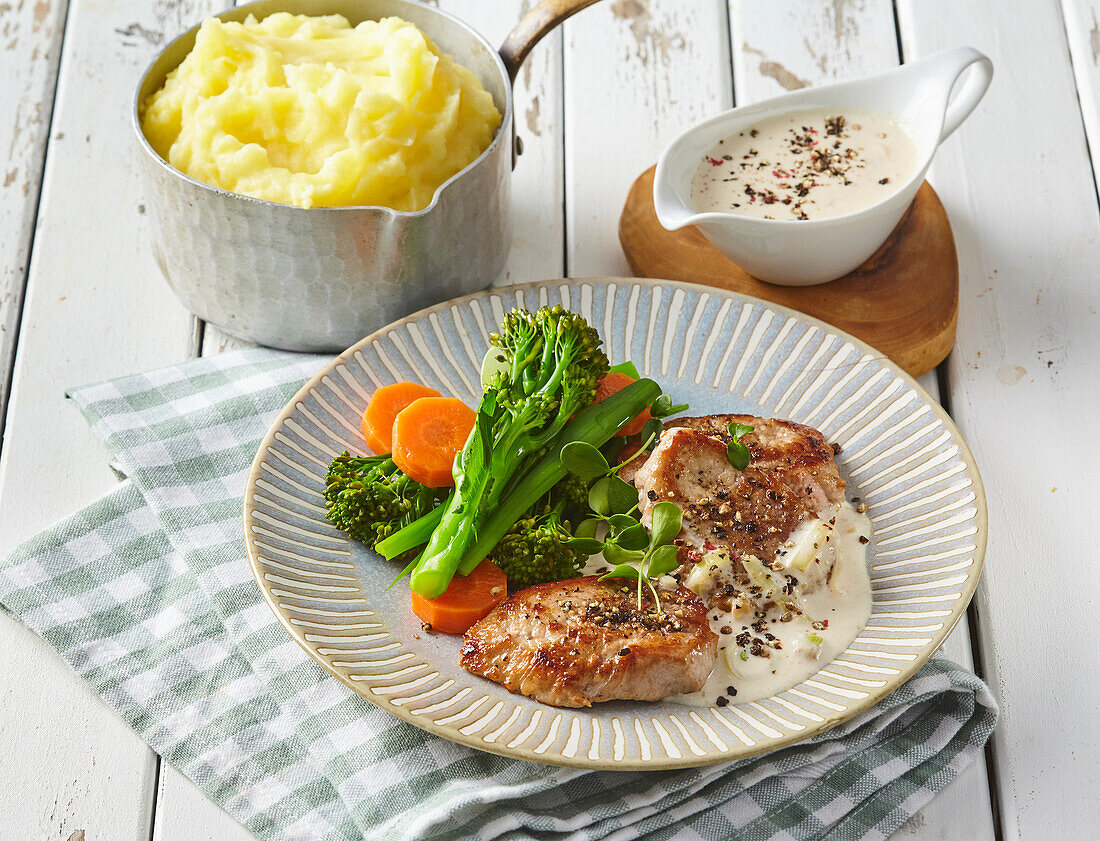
[[311, 111]]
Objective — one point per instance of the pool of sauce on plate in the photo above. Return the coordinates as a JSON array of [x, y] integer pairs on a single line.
[[762, 656], [806, 165]]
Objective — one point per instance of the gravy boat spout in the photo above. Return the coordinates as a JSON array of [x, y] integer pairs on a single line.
[[917, 96]]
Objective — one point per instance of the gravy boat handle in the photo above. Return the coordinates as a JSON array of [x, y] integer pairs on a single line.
[[945, 70]]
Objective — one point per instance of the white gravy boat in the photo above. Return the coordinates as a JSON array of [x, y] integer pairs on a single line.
[[804, 253]]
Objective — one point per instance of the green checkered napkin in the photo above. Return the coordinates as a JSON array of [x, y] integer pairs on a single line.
[[148, 596]]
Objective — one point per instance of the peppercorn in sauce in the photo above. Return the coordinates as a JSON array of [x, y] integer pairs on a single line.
[[773, 549], [806, 165]]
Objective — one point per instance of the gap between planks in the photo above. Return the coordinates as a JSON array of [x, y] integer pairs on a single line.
[[31, 65], [1030, 299]]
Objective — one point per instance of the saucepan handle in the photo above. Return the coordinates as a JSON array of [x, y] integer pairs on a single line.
[[532, 27]]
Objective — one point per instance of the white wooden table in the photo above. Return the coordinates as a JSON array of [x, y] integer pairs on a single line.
[[81, 300]]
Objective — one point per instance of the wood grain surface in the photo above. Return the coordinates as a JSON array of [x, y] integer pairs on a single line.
[[1027, 350], [94, 308], [1021, 381], [904, 300]]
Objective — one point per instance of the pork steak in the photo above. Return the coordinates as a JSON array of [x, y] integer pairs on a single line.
[[578, 642], [790, 477]]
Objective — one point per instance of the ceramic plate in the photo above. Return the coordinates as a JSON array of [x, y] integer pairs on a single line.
[[718, 351]]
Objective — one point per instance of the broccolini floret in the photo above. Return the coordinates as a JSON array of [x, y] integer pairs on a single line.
[[370, 498], [535, 550], [552, 365], [571, 494]]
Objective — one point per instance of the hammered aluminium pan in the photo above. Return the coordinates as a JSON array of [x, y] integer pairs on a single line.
[[319, 279]]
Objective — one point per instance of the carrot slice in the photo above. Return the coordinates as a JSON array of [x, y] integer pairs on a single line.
[[385, 404], [427, 435], [465, 600], [617, 381]]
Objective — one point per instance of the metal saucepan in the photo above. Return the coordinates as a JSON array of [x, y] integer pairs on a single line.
[[319, 279]]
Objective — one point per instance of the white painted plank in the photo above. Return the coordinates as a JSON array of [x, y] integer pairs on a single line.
[[538, 181], [183, 812], [783, 46], [95, 308], [1082, 19], [67, 761], [637, 73], [1024, 391], [780, 46], [30, 34]]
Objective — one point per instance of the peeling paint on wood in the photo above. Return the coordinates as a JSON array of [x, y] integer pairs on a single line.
[[28, 66], [532, 116], [775, 70], [135, 32], [662, 65], [1011, 374], [812, 41], [650, 41], [846, 23]]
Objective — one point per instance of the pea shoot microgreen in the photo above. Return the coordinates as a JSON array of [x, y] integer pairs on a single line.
[[634, 552], [608, 494], [662, 407], [737, 452], [653, 558]]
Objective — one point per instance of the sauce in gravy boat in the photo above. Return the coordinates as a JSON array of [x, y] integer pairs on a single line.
[[821, 176]]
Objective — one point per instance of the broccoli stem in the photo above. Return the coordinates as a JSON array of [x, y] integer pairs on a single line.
[[555, 366], [456, 527], [594, 425], [414, 534]]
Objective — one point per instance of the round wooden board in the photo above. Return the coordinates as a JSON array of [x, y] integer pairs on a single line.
[[904, 300]]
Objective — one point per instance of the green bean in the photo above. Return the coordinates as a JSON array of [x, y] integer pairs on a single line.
[[409, 537], [595, 425]]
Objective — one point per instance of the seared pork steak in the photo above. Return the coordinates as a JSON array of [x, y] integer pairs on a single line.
[[795, 454], [578, 642], [790, 477]]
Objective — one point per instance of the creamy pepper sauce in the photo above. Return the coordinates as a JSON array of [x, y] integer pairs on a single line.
[[820, 599], [806, 165]]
